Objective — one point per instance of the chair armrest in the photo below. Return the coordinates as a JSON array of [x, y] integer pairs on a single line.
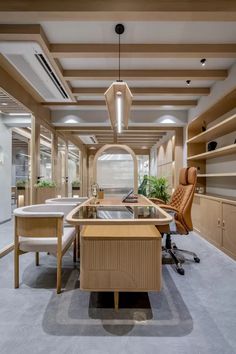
[[156, 200], [168, 207]]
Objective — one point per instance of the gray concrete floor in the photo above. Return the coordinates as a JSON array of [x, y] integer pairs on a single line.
[[195, 313]]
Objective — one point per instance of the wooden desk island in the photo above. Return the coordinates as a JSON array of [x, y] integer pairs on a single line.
[[119, 254]]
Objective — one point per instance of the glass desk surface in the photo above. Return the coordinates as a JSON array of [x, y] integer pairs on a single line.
[[117, 212]]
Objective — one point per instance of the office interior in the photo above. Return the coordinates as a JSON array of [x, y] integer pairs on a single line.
[[118, 177]]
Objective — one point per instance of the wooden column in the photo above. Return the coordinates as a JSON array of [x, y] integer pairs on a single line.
[[66, 169], [84, 173], [55, 165], [34, 157], [178, 154]]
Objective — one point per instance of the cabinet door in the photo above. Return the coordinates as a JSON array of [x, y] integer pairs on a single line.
[[196, 213], [228, 224], [210, 219]]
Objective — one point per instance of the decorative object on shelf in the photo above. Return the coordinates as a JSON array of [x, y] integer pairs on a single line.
[[158, 188], [212, 146], [101, 193], [118, 96], [203, 126], [201, 190]]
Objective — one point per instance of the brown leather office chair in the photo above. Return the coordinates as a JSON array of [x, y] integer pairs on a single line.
[[180, 205]]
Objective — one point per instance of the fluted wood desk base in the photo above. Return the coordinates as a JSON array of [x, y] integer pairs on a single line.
[[120, 258]]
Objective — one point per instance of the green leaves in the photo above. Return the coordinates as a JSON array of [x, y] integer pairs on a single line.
[[45, 184], [76, 184], [154, 187]]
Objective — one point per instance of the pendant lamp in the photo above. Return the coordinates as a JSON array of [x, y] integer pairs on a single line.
[[118, 97]]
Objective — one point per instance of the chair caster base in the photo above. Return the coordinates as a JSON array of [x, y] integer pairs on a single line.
[[196, 259], [180, 270]]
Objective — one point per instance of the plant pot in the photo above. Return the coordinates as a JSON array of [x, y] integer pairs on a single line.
[[45, 193], [22, 196]]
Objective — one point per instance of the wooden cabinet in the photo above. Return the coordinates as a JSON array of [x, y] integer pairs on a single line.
[[207, 219], [228, 229], [215, 221]]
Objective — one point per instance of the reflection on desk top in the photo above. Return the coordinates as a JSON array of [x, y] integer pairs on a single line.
[[118, 214]]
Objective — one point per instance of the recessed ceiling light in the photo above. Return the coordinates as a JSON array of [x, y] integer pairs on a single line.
[[92, 148], [203, 61], [188, 82], [167, 121], [144, 147], [19, 114], [4, 104]]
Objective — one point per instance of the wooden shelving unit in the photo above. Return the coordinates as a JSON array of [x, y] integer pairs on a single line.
[[201, 175], [223, 128], [219, 121], [226, 150], [214, 211]]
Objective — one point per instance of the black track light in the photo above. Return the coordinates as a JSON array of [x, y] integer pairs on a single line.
[[203, 61], [188, 82]]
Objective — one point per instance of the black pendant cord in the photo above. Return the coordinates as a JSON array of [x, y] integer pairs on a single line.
[[119, 57], [119, 29]]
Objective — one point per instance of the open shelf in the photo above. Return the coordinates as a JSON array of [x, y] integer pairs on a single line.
[[220, 129], [230, 174], [226, 150], [221, 107]]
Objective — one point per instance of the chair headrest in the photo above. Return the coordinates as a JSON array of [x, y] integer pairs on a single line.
[[187, 176], [192, 175], [183, 176]]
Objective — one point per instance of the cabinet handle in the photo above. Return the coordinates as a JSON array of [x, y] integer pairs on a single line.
[[223, 223], [218, 222]]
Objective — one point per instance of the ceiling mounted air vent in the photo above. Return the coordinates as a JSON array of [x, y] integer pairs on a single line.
[[30, 61], [88, 139]]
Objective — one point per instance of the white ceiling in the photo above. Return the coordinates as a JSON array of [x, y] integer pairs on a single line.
[[144, 63], [141, 32], [142, 83]]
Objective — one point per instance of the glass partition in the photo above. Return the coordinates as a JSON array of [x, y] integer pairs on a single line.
[[73, 171], [143, 167], [115, 172], [45, 154], [61, 177]]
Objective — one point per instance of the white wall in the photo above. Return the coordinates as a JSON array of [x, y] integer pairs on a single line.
[[5, 172], [218, 90]]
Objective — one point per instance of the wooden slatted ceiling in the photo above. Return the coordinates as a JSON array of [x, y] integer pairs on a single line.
[[10, 105]]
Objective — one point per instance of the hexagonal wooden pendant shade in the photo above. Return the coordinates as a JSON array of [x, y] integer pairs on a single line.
[[111, 97]]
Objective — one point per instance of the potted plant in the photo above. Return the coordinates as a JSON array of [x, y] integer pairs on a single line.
[[76, 185], [21, 184], [45, 189], [22, 192], [158, 188]]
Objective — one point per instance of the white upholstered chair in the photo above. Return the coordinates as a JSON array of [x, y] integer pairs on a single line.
[[40, 228]]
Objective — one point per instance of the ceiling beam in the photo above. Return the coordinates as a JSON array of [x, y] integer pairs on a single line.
[[146, 74], [100, 50], [129, 10], [203, 91], [87, 103], [93, 129]]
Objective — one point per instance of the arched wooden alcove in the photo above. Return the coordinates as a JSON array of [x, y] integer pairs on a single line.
[[119, 147]]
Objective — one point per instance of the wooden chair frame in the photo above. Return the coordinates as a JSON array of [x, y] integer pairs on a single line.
[[41, 227]]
